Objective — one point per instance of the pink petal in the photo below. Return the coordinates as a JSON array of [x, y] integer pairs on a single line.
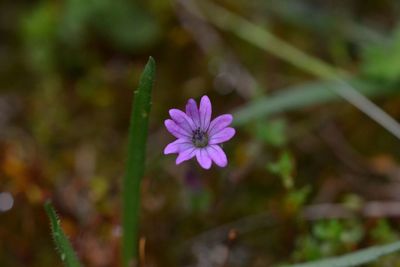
[[222, 136], [186, 155], [219, 123], [205, 112], [178, 146], [217, 155], [193, 112], [203, 158], [182, 120], [175, 130]]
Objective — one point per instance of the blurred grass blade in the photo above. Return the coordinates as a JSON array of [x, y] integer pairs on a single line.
[[63, 245], [354, 259], [265, 40], [306, 15], [260, 37], [300, 96], [135, 164]]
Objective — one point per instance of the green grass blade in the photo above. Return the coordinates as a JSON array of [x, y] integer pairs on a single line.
[[63, 245], [355, 258], [301, 96], [135, 164]]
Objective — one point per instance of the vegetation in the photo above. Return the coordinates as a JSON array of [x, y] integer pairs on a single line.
[[312, 176]]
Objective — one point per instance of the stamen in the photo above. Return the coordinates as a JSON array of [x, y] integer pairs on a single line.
[[199, 138]]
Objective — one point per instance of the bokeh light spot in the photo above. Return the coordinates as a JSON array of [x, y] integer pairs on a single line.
[[6, 201]]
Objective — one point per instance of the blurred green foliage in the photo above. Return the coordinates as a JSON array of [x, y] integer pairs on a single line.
[[383, 232], [329, 238], [62, 33], [382, 61], [273, 132], [67, 70], [284, 167], [122, 23]]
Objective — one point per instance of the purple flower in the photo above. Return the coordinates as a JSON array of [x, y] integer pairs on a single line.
[[198, 135]]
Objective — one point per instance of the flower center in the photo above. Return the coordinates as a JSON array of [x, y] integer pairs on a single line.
[[199, 138]]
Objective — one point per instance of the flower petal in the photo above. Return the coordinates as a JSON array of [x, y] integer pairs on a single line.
[[183, 120], [203, 158], [186, 155], [205, 112], [175, 130], [219, 123], [217, 155], [193, 112], [222, 136], [177, 146]]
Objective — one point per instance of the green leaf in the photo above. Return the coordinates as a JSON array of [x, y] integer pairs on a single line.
[[284, 167], [354, 259], [382, 61], [298, 197], [63, 246], [272, 132], [135, 163]]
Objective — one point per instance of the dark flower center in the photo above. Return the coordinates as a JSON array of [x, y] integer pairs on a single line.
[[199, 138]]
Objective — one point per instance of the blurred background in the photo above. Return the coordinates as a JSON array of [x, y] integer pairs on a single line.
[[309, 174]]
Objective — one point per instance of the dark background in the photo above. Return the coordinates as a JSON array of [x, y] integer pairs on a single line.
[[303, 183]]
